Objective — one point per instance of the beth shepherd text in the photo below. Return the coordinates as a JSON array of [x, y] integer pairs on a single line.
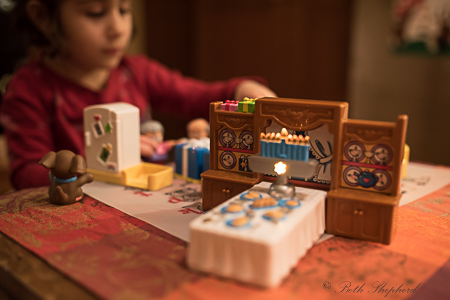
[[380, 287]]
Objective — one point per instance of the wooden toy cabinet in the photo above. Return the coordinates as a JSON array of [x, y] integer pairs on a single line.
[[357, 218], [364, 198], [232, 141]]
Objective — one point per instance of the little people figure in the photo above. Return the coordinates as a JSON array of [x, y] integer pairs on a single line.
[[152, 135], [198, 129]]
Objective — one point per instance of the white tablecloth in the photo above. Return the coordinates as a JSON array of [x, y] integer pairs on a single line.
[[262, 253]]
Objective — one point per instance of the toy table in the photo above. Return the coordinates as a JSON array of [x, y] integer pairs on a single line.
[[263, 251], [90, 250]]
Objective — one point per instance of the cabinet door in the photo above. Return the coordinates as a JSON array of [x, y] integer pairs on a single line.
[[346, 218], [213, 193], [221, 191], [362, 220], [216, 192], [371, 222], [224, 190]]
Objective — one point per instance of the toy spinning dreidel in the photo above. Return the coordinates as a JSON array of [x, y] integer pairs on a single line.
[[67, 176]]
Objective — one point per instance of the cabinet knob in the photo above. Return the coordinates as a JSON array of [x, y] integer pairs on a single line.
[[226, 191], [355, 212], [361, 213]]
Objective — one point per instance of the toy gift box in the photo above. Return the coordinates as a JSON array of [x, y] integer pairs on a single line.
[[192, 158], [247, 105], [229, 105]]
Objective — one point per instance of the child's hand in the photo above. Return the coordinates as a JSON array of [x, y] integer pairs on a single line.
[[252, 89], [148, 146]]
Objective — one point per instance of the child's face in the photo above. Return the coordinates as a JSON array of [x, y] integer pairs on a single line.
[[95, 33]]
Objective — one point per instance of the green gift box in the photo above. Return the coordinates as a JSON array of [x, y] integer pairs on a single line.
[[247, 105]]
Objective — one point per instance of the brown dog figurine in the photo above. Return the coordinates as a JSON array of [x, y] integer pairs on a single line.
[[67, 176]]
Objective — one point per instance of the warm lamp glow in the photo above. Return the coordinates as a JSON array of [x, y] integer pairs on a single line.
[[280, 168]]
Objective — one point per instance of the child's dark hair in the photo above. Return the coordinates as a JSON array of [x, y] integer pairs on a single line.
[[32, 35]]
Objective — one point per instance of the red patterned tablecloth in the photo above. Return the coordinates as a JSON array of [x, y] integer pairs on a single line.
[[120, 257]]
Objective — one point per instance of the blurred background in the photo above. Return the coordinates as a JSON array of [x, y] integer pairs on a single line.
[[326, 50], [343, 50]]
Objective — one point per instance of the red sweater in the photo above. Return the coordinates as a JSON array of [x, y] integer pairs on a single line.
[[43, 111]]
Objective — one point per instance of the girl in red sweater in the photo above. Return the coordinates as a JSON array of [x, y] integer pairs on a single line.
[[82, 62]]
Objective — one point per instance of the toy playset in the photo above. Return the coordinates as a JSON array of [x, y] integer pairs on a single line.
[[259, 234], [260, 156], [359, 162]]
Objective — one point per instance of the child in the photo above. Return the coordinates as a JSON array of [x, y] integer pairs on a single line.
[[81, 63]]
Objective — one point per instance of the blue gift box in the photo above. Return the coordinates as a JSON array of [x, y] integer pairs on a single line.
[[179, 158], [190, 162], [196, 162]]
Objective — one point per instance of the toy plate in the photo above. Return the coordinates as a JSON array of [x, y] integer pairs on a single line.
[[283, 203], [270, 218], [263, 207], [225, 211], [244, 196], [230, 224]]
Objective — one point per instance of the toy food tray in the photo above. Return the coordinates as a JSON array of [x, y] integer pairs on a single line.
[[147, 176], [254, 238]]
